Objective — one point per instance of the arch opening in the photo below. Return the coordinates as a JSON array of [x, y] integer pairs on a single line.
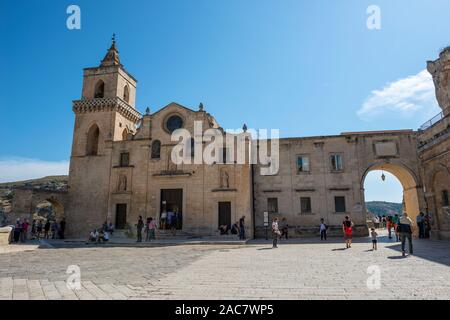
[[99, 89], [49, 209], [92, 140], [126, 94], [125, 134], [407, 185], [48, 212]]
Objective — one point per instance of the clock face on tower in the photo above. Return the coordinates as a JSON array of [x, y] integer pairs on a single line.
[[173, 123]]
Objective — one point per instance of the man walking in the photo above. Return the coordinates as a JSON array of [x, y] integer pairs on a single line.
[[405, 230], [139, 227]]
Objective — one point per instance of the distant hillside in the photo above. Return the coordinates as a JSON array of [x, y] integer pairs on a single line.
[[56, 181], [51, 183], [381, 208]]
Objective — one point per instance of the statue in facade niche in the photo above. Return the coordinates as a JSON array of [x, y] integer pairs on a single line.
[[224, 179], [171, 165], [122, 183]]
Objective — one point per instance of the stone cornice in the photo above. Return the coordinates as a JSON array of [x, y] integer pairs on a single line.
[[106, 104]]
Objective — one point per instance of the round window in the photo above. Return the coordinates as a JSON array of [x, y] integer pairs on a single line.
[[173, 123]]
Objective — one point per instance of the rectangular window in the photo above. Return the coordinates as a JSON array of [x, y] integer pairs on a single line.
[[124, 159], [339, 204], [302, 164], [336, 162], [305, 205], [445, 201], [272, 205]]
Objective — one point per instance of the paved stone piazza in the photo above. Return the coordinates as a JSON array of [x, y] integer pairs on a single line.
[[298, 269]]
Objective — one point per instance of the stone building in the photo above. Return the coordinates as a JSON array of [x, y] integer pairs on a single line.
[[434, 149], [323, 177], [121, 167]]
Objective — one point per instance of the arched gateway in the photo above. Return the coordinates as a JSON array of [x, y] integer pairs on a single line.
[[26, 200], [412, 191], [323, 177]]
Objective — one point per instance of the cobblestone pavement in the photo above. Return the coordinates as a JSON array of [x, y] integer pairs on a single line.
[[298, 269]]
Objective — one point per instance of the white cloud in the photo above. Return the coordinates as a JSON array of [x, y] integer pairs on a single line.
[[17, 169], [402, 98]]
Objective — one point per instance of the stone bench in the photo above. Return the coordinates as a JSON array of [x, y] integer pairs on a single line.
[[5, 235]]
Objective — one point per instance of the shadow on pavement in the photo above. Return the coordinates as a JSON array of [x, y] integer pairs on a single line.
[[61, 244], [436, 251], [397, 257]]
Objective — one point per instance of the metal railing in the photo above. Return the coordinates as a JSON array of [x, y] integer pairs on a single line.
[[432, 121]]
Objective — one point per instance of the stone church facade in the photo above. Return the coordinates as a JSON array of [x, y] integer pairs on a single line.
[[118, 172], [120, 167]]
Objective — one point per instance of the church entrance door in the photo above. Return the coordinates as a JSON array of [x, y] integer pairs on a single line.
[[171, 208]]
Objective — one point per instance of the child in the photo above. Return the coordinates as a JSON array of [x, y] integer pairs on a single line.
[[323, 230], [374, 235]]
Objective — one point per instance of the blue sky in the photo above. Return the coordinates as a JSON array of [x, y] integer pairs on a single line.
[[307, 68]]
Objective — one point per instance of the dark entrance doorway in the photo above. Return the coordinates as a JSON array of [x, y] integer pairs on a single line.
[[171, 208], [225, 214], [121, 215]]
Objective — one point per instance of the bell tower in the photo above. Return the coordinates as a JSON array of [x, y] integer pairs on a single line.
[[107, 108], [110, 79], [104, 115]]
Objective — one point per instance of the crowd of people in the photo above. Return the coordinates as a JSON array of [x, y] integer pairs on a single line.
[[38, 229], [171, 220], [402, 227]]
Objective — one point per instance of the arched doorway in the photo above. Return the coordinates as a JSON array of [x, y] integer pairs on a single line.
[[49, 209], [438, 200], [412, 192]]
